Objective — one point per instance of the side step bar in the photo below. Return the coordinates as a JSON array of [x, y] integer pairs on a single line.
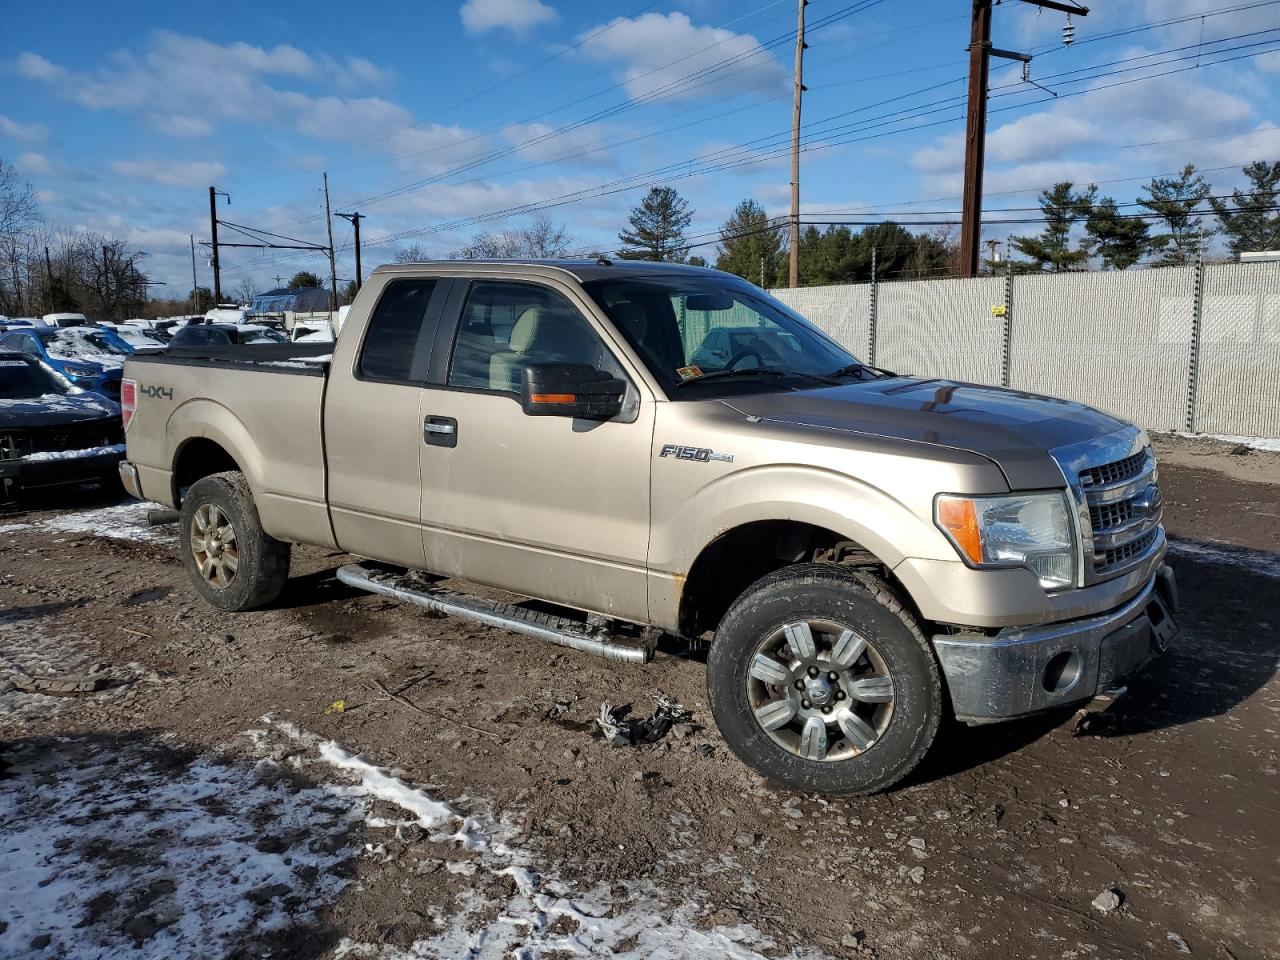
[[544, 626]]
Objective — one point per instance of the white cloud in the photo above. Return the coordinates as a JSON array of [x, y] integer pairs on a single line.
[[584, 146], [657, 50], [518, 16], [187, 87], [34, 163], [173, 173], [1268, 62], [24, 132]]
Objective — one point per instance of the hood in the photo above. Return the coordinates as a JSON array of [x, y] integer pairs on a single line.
[[55, 410], [1015, 430]]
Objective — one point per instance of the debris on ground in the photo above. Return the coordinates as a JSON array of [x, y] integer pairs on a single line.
[[619, 730], [1178, 942], [1108, 901]]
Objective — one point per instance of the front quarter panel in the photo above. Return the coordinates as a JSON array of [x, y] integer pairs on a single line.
[[876, 492]]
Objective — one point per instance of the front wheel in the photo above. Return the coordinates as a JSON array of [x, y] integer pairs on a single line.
[[821, 680], [233, 562]]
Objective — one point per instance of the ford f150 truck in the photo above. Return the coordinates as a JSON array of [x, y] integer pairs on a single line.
[[657, 448]]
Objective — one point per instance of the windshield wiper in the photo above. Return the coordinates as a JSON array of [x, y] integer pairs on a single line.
[[755, 372], [853, 369]]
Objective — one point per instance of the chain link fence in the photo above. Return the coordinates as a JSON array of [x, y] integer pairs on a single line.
[[1177, 348]]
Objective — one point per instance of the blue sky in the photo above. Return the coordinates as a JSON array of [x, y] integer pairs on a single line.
[[428, 115]]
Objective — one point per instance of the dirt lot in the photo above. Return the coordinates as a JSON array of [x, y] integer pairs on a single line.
[[214, 798]]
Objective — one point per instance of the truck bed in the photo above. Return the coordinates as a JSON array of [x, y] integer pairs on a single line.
[[234, 398]]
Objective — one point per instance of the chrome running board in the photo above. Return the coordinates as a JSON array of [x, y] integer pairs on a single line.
[[587, 637]]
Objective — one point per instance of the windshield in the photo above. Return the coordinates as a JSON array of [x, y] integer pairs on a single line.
[[23, 380], [79, 344], [716, 335]]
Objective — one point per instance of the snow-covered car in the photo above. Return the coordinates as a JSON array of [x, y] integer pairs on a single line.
[[91, 357], [312, 331], [52, 432], [224, 335], [65, 320], [138, 337]]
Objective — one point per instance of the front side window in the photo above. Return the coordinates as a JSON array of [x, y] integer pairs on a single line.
[[507, 326], [392, 336], [703, 336]]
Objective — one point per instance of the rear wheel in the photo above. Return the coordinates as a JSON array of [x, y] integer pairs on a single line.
[[233, 562], [820, 679]]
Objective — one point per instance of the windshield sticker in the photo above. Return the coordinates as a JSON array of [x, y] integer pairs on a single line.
[[688, 373], [13, 363]]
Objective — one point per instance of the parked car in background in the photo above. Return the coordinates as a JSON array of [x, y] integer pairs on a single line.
[[140, 338], [65, 320], [90, 357], [52, 432], [312, 331], [21, 323], [224, 335]]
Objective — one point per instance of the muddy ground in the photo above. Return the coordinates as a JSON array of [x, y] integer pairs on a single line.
[[206, 800]]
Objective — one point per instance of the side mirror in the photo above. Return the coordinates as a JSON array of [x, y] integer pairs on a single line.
[[570, 390]]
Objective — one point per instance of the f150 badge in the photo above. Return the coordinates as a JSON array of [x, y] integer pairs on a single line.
[[701, 454]]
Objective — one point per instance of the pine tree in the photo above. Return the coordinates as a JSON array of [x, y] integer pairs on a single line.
[[750, 246], [657, 227], [1051, 249], [1174, 200], [1119, 241], [1250, 221]]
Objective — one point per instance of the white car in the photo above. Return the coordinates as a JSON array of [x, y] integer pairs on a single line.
[[312, 331], [137, 338], [66, 320]]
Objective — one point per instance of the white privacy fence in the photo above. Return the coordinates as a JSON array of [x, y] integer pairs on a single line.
[[1179, 348]]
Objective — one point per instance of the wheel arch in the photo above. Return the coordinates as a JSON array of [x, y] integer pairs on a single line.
[[739, 556]]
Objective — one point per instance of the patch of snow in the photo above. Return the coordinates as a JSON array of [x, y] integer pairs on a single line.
[[383, 785], [74, 400], [75, 454], [1271, 444], [31, 646], [126, 521], [15, 527], [132, 847], [1255, 561], [83, 345], [543, 917]]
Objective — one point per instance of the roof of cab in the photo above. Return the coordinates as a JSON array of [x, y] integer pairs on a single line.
[[582, 270]]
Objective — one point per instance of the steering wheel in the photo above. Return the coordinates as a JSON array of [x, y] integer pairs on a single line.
[[741, 355]]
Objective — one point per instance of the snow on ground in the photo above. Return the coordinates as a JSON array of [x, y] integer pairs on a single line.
[[1258, 443], [543, 917], [31, 647], [128, 846], [1256, 561], [125, 521]]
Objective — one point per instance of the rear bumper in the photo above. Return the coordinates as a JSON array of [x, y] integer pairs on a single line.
[[1023, 670], [29, 474]]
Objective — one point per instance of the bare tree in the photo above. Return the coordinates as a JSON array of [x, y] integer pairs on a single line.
[[541, 239], [19, 221], [245, 290], [414, 253]]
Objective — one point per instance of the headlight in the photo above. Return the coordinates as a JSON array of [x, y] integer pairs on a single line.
[[1032, 530], [81, 373]]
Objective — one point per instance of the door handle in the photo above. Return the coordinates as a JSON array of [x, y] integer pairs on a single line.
[[440, 431]]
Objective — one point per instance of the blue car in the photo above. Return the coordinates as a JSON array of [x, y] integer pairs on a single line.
[[92, 358]]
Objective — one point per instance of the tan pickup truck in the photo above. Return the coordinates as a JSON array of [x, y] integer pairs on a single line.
[[656, 448]]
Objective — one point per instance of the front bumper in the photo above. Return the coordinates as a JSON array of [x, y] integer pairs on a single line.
[[29, 474], [1023, 670]]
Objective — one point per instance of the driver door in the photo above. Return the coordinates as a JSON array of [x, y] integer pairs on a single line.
[[550, 507]]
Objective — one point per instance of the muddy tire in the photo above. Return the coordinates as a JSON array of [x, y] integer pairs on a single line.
[[820, 679], [233, 562]]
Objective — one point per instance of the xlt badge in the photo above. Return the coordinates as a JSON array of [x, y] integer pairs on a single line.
[[693, 453]]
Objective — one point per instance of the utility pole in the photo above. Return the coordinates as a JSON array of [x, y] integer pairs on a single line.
[[193, 273], [795, 144], [355, 219], [48, 279], [213, 237], [333, 270], [980, 54]]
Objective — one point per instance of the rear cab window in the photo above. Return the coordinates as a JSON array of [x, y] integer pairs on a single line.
[[391, 341]]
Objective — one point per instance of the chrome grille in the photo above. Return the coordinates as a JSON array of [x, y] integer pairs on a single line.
[[1114, 472], [1120, 555], [1124, 511]]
